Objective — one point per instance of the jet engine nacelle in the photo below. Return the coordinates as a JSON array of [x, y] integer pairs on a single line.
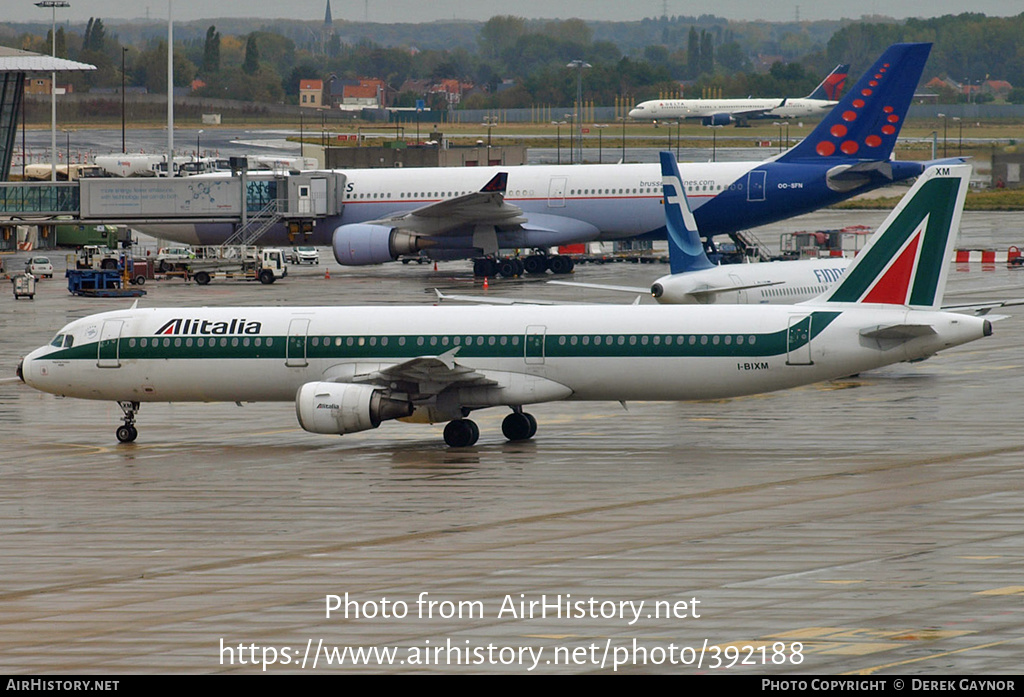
[[717, 120], [672, 290], [360, 244], [340, 408]]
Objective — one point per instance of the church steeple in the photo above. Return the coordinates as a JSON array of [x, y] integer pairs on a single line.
[[327, 16]]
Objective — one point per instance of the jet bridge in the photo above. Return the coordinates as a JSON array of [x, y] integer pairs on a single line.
[[252, 201]]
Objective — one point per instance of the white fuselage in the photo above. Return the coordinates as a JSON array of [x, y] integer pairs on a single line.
[[533, 354], [658, 109], [770, 283], [598, 202]]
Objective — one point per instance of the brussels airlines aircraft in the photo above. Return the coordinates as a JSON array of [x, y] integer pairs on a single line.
[[694, 279], [347, 369], [719, 112], [444, 214]]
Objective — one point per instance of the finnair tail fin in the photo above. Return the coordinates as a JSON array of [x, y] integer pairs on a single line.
[[832, 86], [865, 123], [685, 248], [907, 260]]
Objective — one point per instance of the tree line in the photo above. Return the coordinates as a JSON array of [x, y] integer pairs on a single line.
[[515, 62]]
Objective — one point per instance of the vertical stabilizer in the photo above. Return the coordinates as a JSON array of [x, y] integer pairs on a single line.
[[864, 125], [685, 248], [831, 87], [907, 260]]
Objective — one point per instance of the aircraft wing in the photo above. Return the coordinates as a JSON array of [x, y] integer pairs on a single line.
[[600, 286], [707, 292], [427, 374], [484, 207], [497, 300], [490, 300], [704, 292], [754, 113]]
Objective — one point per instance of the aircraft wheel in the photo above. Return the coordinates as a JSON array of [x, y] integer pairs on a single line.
[[519, 426], [484, 267], [127, 434], [507, 267], [561, 264], [202, 278], [533, 424], [536, 263], [520, 266], [461, 433]]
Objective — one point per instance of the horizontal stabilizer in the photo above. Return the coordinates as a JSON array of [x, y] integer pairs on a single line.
[[898, 332], [983, 308]]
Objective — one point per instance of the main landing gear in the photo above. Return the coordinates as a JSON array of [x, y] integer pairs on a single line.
[[128, 433], [492, 266], [463, 433]]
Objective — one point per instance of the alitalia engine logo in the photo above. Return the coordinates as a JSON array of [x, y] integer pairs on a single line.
[[190, 327]]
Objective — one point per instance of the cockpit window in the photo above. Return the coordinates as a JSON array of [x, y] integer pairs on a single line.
[[62, 341]]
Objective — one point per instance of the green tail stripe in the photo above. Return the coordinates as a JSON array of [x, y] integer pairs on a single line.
[[937, 199]]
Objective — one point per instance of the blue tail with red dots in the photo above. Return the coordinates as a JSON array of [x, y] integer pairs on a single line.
[[866, 122]]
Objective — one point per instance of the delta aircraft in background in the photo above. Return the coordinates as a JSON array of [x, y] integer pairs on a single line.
[[720, 112], [443, 214], [347, 369]]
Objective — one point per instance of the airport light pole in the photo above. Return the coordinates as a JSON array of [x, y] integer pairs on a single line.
[[623, 119], [944, 140], [67, 149], [579, 65], [53, 5], [600, 144], [489, 123], [124, 52], [558, 138], [198, 133], [572, 147], [960, 135]]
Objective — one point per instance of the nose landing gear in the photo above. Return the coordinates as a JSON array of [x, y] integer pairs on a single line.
[[128, 433]]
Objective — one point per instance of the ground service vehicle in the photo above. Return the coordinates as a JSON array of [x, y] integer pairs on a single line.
[[240, 263]]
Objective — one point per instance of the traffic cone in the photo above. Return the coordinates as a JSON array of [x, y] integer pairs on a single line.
[[486, 284], [435, 266], [327, 274]]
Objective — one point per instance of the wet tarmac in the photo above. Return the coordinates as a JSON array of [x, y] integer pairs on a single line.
[[872, 525]]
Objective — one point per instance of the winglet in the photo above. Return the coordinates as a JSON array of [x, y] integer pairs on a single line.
[[864, 125], [497, 184], [907, 260], [685, 248]]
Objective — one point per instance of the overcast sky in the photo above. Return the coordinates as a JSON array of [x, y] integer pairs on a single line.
[[429, 10]]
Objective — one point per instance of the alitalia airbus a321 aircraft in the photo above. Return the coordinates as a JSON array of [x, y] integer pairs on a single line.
[[348, 369]]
